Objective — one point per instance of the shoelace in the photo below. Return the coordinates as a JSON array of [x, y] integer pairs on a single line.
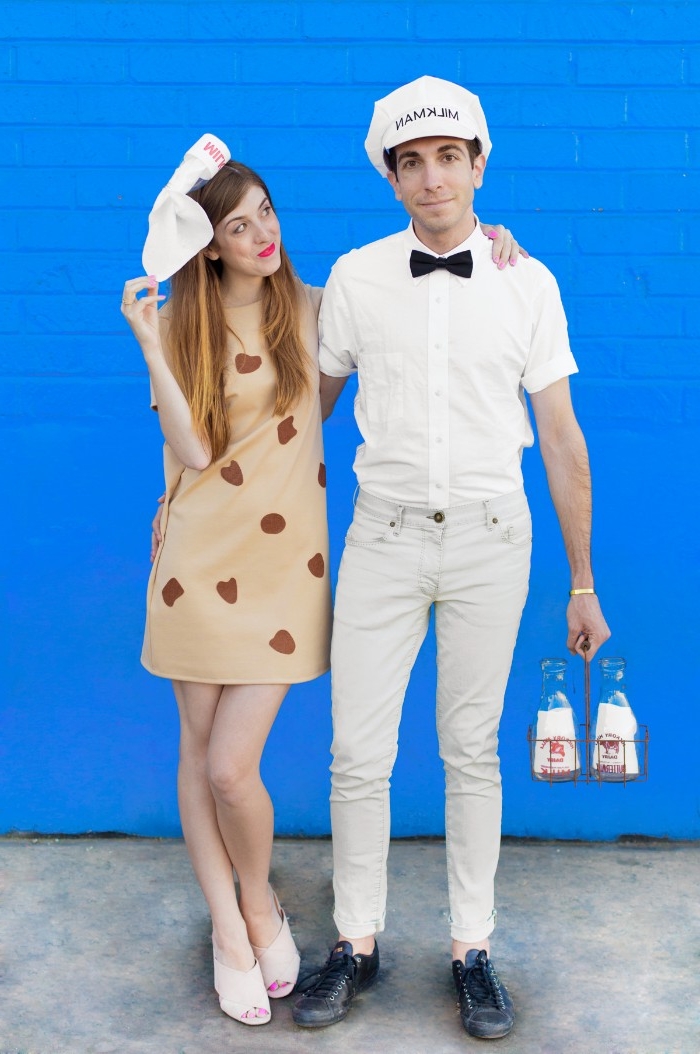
[[331, 977], [480, 983]]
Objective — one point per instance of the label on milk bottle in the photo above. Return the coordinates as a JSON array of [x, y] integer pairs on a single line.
[[614, 751], [556, 753]]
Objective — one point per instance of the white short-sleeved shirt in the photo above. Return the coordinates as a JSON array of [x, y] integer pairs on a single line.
[[442, 365]]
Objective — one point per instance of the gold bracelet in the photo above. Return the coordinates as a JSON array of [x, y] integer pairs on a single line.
[[578, 592]]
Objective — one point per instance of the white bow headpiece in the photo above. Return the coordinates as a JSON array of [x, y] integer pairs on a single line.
[[178, 227]]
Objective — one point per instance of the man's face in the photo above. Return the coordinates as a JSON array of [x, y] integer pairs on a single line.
[[435, 181]]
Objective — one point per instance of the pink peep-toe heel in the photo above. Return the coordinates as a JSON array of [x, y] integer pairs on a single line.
[[280, 961], [242, 993]]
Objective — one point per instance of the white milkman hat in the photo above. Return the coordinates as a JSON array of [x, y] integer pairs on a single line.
[[427, 106], [178, 226]]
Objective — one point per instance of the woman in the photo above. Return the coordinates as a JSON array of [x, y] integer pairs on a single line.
[[239, 598]]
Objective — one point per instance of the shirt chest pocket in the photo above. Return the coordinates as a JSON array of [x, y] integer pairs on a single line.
[[382, 384]]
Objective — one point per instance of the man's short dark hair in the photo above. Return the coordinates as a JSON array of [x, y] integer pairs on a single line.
[[474, 148]]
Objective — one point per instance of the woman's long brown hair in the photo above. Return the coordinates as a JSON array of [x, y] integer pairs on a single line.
[[197, 335]]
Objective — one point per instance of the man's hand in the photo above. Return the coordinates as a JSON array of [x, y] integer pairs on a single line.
[[586, 623], [156, 536]]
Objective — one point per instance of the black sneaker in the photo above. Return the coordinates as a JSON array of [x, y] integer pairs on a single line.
[[485, 1007], [327, 994]]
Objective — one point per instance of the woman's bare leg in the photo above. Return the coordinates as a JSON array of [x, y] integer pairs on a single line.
[[197, 704], [244, 813]]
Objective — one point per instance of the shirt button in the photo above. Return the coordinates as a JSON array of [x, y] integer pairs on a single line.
[[438, 393], [438, 439]]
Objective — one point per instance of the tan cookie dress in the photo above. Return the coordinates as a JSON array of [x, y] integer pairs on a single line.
[[239, 592]]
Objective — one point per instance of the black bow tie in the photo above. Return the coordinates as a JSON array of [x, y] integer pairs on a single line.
[[459, 263]]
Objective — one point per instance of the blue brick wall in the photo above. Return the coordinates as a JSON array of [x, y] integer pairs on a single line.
[[593, 110]]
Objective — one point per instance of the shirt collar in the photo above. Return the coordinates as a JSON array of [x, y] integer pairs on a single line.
[[476, 243]]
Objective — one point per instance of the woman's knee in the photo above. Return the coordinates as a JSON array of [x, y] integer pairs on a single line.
[[231, 783]]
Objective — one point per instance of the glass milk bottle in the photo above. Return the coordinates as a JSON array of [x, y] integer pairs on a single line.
[[614, 751], [556, 756]]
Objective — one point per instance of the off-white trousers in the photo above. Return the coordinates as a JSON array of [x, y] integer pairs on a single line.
[[471, 562]]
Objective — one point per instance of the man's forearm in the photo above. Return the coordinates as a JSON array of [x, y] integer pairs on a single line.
[[569, 478], [568, 473]]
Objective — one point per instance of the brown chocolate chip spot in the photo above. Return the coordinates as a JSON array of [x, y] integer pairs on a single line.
[[283, 642], [232, 474], [248, 363], [228, 591], [286, 430], [172, 591], [322, 474], [317, 565], [273, 523]]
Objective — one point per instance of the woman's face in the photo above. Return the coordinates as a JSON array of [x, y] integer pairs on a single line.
[[247, 240]]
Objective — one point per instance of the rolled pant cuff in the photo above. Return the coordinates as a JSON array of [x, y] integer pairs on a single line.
[[355, 931], [473, 935]]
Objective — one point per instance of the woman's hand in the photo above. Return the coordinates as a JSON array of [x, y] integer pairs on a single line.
[[156, 535], [505, 247], [142, 312]]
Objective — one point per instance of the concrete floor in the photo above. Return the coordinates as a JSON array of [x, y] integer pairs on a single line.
[[105, 950]]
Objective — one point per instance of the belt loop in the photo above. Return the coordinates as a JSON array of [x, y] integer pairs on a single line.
[[487, 513], [398, 521]]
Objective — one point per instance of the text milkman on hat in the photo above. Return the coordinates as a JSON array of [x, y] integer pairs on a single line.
[[427, 106]]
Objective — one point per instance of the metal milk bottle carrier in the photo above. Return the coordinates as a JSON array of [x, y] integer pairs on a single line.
[[615, 751]]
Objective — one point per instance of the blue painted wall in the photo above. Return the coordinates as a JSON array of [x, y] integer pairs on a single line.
[[593, 110]]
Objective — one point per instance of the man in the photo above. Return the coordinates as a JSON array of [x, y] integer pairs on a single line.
[[444, 349]]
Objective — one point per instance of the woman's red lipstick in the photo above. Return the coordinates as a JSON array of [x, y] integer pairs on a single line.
[[269, 251]]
